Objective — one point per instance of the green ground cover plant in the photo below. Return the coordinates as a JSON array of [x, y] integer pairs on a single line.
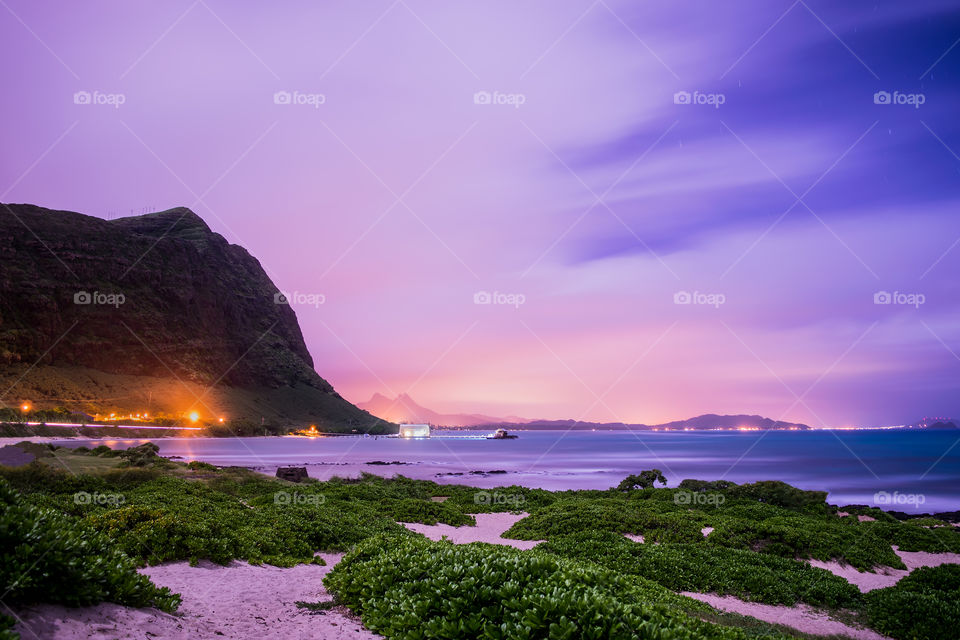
[[427, 512], [798, 537], [923, 606], [414, 588], [6, 628], [46, 556], [922, 534], [708, 568], [613, 515]]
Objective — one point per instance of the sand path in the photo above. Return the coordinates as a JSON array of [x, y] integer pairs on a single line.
[[239, 601], [801, 617], [488, 529], [886, 576]]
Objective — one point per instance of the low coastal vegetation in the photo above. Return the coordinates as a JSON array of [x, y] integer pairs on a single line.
[[414, 588], [48, 556], [925, 604], [709, 568], [93, 516]]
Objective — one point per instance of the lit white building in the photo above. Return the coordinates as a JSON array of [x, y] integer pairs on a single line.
[[414, 431]]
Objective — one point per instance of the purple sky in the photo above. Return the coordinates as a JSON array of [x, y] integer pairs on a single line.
[[782, 194]]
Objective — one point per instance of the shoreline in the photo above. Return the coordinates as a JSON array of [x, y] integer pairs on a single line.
[[409, 459]]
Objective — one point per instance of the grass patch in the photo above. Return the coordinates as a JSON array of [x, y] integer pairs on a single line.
[[63, 458]]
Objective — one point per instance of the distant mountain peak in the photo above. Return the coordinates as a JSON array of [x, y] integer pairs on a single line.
[[404, 408]]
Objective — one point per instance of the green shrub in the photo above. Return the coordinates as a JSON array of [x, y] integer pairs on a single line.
[[49, 557], [942, 579], [414, 588], [142, 455], [178, 519], [923, 606], [708, 568], [779, 494], [646, 479], [501, 499], [808, 537], [705, 485], [6, 628], [911, 535], [197, 465], [155, 517], [428, 512], [614, 515]]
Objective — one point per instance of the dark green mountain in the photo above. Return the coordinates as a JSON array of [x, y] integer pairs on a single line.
[[153, 312]]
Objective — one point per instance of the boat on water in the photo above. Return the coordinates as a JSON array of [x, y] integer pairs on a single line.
[[501, 434]]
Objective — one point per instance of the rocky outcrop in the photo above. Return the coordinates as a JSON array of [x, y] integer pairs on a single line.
[[292, 474]]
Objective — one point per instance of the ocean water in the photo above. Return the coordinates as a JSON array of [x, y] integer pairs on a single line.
[[912, 471]]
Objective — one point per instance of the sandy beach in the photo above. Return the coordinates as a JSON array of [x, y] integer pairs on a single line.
[[239, 601], [490, 526]]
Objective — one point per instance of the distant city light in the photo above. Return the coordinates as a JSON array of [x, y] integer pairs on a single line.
[[221, 419], [25, 406], [194, 416]]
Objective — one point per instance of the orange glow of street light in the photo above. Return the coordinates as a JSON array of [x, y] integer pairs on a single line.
[[194, 416]]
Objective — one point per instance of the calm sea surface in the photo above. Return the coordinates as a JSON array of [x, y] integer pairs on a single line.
[[920, 470]]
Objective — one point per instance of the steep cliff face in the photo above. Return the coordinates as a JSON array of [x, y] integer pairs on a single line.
[[158, 296]]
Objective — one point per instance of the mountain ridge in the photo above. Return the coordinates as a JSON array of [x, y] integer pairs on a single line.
[[403, 408], [128, 302]]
